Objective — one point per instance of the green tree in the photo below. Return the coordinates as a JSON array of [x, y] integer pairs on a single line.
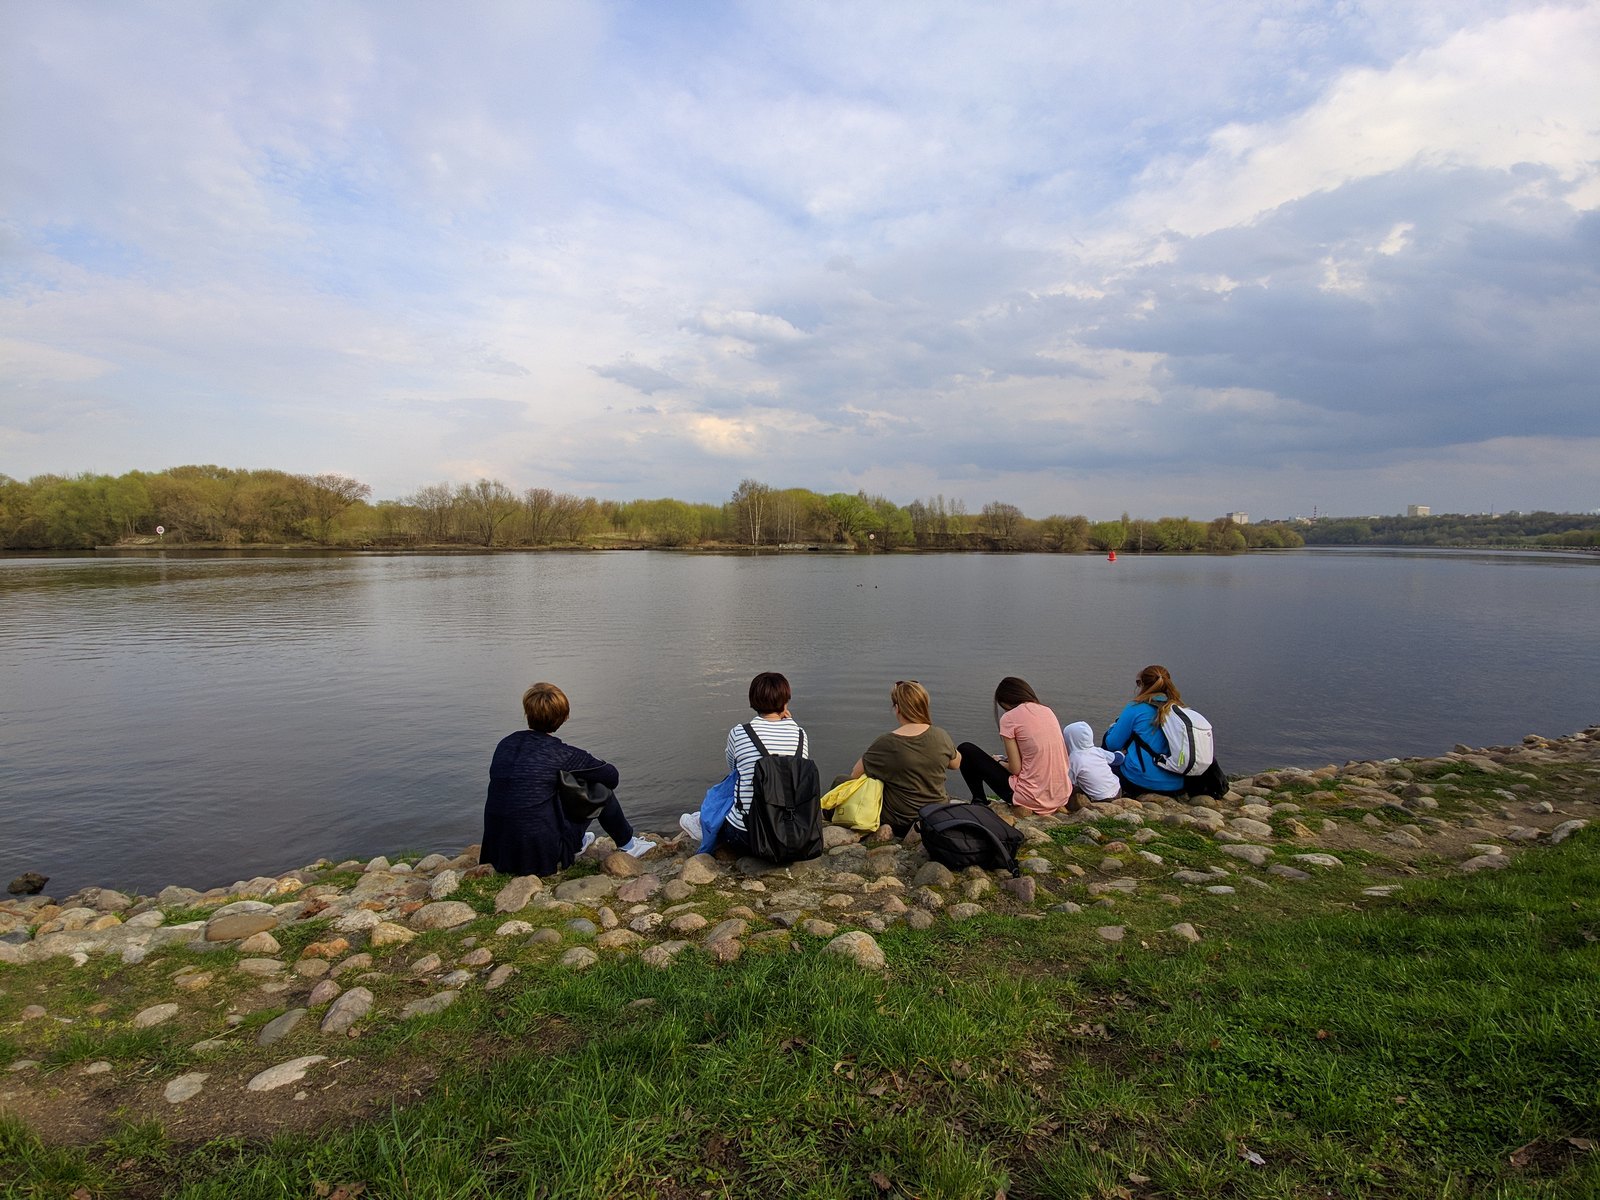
[[328, 495]]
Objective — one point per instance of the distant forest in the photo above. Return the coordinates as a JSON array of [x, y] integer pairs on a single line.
[[220, 506], [1546, 530]]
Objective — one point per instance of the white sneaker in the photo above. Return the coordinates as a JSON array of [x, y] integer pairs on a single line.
[[690, 824], [638, 847], [588, 840]]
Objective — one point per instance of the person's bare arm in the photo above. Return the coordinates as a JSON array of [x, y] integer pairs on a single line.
[[857, 771], [1013, 756]]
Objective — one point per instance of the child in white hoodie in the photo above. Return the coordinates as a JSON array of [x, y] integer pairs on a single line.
[[1089, 765]]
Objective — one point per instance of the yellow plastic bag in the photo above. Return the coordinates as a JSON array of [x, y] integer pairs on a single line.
[[856, 803]]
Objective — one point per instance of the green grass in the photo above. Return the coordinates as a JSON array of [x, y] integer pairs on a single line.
[[1442, 1043]]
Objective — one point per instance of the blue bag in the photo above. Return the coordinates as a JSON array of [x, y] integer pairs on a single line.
[[714, 810]]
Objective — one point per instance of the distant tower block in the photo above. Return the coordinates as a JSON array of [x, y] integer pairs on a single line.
[[1238, 518], [1418, 510]]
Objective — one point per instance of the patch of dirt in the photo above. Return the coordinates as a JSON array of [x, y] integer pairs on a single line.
[[69, 1108]]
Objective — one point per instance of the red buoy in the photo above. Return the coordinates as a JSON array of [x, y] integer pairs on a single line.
[[1112, 557]]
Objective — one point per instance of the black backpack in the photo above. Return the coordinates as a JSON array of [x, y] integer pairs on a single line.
[[784, 823], [969, 835]]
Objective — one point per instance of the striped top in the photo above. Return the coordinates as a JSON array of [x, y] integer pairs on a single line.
[[779, 737]]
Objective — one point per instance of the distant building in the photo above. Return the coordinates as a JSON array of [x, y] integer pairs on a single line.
[[1418, 510], [1238, 518]]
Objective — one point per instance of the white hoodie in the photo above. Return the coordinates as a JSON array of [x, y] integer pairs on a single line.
[[1088, 764]]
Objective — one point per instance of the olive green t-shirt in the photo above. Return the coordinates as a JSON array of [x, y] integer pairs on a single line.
[[912, 771]]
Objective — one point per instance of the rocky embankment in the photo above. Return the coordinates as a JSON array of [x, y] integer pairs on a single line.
[[328, 947]]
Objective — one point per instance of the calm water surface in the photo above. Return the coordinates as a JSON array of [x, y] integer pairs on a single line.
[[200, 720]]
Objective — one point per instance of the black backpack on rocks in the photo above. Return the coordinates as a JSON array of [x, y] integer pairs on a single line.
[[784, 823], [969, 835]]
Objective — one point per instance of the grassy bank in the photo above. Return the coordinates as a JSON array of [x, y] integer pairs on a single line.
[[1444, 1042]]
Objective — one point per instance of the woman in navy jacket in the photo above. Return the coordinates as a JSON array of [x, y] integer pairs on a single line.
[[1138, 733], [525, 829]]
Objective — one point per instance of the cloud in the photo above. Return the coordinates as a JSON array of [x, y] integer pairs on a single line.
[[895, 246]]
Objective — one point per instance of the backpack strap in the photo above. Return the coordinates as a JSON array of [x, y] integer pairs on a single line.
[[754, 740]]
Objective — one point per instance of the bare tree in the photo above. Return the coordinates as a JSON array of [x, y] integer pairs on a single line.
[[328, 495], [490, 503], [750, 501]]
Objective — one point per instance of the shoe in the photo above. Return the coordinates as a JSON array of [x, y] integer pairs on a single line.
[[638, 847], [588, 840], [690, 824]]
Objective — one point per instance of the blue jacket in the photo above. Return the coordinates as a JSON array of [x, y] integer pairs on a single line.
[[1140, 768], [525, 830]]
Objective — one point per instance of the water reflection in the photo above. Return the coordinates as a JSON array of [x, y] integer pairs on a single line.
[[177, 719]]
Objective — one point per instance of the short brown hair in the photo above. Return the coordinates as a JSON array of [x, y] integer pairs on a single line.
[[911, 699], [769, 692], [546, 706]]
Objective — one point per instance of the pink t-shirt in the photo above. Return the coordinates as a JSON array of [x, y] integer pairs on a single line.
[[1044, 784]]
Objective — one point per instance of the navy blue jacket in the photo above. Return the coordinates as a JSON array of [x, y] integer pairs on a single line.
[[525, 831]]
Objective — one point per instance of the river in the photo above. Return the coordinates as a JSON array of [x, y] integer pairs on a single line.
[[200, 719]]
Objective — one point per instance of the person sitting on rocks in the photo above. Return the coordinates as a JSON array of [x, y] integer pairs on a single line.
[[778, 732], [1033, 773], [1092, 769], [910, 761], [1137, 731], [525, 829]]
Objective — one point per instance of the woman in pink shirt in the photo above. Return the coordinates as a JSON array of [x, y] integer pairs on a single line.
[[1032, 774]]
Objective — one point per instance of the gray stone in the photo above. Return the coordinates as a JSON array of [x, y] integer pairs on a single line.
[[1066, 906], [276, 1029], [919, 918], [443, 914], [292, 1071], [428, 1005], [431, 863], [1035, 866], [1492, 862], [965, 912], [1254, 855], [514, 897], [347, 1010], [513, 929], [662, 955], [700, 870], [1319, 860], [156, 1014], [583, 927], [860, 948], [1250, 827], [579, 958], [543, 937], [259, 966], [834, 836], [356, 920], [1188, 876], [1289, 873], [98, 1068], [185, 1087], [1565, 830], [1400, 837], [260, 943], [499, 976], [818, 929], [933, 874], [586, 890], [445, 884], [1112, 933], [1220, 889], [732, 928], [1186, 931], [325, 991], [427, 964], [637, 891], [356, 962]]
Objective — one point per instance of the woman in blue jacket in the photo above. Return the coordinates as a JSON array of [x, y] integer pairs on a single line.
[[1138, 733]]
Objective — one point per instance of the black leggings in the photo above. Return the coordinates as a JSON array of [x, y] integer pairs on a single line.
[[979, 768], [614, 823]]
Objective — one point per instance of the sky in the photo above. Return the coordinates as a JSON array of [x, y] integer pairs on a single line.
[[1174, 259]]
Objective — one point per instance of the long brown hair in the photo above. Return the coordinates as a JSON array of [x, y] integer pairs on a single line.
[[1155, 681], [1011, 692]]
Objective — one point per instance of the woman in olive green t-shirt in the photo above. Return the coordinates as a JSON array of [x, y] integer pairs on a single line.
[[910, 761]]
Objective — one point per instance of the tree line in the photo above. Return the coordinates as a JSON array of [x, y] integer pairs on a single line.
[[1546, 530], [222, 506]]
